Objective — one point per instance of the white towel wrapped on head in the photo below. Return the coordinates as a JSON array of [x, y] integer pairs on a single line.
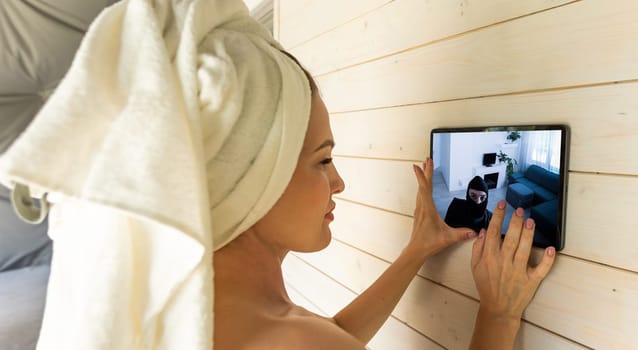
[[177, 127]]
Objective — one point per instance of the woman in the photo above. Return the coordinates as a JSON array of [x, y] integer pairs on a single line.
[[173, 136], [253, 310]]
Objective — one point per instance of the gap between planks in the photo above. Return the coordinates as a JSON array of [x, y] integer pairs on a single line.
[[513, 93], [431, 281], [428, 43]]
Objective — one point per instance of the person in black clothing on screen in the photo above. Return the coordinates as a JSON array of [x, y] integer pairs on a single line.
[[472, 211]]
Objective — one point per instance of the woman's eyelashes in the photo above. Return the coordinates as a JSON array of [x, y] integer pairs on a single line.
[[326, 161]]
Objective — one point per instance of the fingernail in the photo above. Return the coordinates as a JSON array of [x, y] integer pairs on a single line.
[[481, 233], [501, 204], [529, 223], [414, 166], [551, 251], [471, 234], [520, 212]]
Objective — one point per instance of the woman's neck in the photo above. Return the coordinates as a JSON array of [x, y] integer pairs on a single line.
[[249, 269]]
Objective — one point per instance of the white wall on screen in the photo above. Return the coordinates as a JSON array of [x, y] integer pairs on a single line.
[[466, 152]]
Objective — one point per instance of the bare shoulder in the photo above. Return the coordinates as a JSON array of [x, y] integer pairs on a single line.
[[297, 329], [311, 331]]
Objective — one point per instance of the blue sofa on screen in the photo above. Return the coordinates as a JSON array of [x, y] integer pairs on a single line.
[[538, 189]]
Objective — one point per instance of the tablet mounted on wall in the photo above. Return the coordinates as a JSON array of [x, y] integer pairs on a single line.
[[530, 171]]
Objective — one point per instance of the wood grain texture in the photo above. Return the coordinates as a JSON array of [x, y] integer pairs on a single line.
[[599, 212], [313, 284], [603, 122], [568, 301], [390, 71], [446, 316], [552, 49], [304, 19], [400, 25], [301, 300], [309, 281], [594, 230]]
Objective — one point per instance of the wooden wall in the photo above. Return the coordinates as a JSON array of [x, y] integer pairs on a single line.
[[390, 71]]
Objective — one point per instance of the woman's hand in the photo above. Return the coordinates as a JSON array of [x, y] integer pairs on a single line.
[[430, 234], [505, 282], [363, 317]]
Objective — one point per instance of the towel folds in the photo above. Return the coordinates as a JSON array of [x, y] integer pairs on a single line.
[[177, 127]]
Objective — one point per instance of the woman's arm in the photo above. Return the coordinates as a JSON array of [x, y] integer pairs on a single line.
[[505, 282], [366, 314]]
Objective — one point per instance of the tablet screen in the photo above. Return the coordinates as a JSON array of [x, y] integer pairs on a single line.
[[475, 168]]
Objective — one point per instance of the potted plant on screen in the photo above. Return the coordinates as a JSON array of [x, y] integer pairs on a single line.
[[513, 136], [509, 169]]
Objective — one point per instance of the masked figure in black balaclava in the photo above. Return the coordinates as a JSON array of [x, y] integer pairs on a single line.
[[472, 211]]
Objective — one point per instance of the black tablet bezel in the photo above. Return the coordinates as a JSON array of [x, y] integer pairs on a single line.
[[564, 163]]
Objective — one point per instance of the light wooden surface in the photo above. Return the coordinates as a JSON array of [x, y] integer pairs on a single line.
[[552, 49], [428, 307], [402, 25], [594, 231], [390, 71], [602, 120], [550, 309], [302, 20], [304, 280]]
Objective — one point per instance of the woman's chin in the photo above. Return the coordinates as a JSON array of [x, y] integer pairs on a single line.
[[322, 242], [325, 242]]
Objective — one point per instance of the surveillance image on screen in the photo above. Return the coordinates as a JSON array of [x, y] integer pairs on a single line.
[[475, 168]]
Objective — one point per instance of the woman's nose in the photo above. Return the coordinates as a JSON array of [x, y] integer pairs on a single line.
[[337, 183]]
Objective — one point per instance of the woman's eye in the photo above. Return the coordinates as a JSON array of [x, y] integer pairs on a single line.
[[326, 161]]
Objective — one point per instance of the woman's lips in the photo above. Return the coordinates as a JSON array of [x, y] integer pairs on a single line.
[[330, 216]]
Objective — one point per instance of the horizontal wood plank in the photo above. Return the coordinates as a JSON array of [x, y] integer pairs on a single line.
[[568, 302], [301, 20], [398, 25], [313, 284], [300, 300], [587, 42], [603, 122], [591, 222], [396, 335], [444, 315], [308, 281], [598, 212], [390, 71]]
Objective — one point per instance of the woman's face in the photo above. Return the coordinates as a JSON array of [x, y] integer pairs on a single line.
[[300, 218]]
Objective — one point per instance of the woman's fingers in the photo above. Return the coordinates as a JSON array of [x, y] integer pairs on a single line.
[[428, 167], [493, 234], [428, 228], [525, 245], [477, 248], [539, 272], [424, 177], [512, 237], [420, 176], [505, 282], [462, 233]]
